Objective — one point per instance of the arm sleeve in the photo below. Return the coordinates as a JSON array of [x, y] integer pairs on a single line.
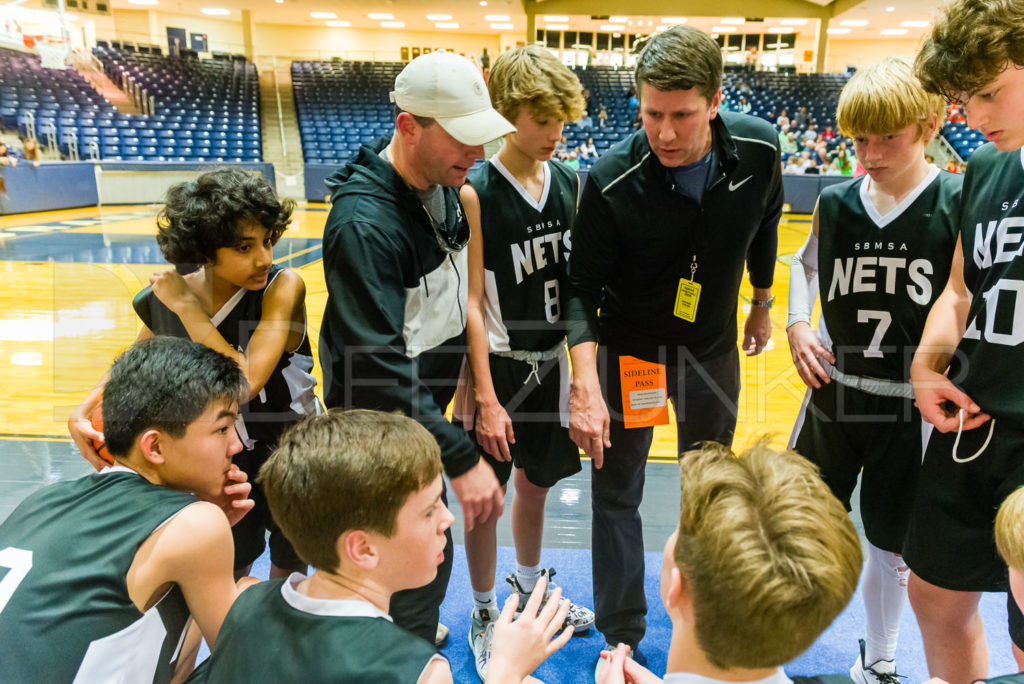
[[590, 264], [763, 248], [803, 281], [365, 316]]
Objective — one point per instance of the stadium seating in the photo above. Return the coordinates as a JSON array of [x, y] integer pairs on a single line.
[[206, 110]]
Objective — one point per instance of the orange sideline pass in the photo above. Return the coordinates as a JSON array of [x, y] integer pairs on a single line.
[[644, 392]]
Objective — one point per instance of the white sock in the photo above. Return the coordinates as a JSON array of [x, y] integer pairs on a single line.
[[484, 599], [884, 588], [528, 576]]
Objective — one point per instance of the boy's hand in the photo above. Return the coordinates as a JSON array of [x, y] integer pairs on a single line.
[[806, 348], [940, 402], [82, 432], [519, 647], [171, 289], [494, 430], [235, 501]]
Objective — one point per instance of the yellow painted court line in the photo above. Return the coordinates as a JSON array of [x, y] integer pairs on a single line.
[[34, 438], [287, 257]]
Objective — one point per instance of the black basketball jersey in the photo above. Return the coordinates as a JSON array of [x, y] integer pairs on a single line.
[[288, 394], [878, 275], [526, 245], [65, 613], [992, 235], [273, 633]]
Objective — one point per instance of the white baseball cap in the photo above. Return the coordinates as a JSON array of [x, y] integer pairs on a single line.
[[449, 89]]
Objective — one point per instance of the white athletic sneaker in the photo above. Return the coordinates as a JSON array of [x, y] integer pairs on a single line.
[[579, 617], [880, 672], [481, 635]]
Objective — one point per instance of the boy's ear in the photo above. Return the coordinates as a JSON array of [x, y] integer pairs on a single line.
[[358, 547], [679, 599], [153, 445]]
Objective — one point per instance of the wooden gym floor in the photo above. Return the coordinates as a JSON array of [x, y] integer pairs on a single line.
[[65, 312]]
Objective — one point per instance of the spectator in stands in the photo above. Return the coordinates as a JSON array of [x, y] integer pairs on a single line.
[[792, 164], [821, 150], [802, 118], [828, 134], [586, 123], [602, 116], [572, 160], [742, 88], [588, 150], [951, 166], [783, 134], [788, 144], [783, 119], [631, 98], [395, 264], [804, 160], [7, 155], [812, 168], [744, 105], [811, 134], [562, 147], [30, 151], [833, 169]]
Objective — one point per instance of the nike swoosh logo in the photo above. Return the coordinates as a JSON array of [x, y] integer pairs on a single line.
[[733, 186]]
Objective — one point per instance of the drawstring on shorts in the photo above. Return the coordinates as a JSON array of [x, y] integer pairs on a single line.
[[959, 431]]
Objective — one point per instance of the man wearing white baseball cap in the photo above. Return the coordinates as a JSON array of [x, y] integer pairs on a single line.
[[393, 333]]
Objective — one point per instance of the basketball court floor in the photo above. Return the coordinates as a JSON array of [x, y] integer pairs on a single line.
[[65, 313]]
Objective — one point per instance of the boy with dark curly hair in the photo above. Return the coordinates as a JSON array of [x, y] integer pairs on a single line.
[[240, 304]]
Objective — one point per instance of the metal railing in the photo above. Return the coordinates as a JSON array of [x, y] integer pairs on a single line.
[[280, 110]]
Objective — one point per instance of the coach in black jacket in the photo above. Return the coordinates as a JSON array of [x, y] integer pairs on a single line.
[[667, 221], [393, 334]]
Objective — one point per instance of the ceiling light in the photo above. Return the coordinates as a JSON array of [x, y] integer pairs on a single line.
[[733, 20], [215, 11], [724, 29], [673, 20], [854, 22], [556, 27], [142, 2], [558, 19], [376, 16], [503, 27], [913, 24], [446, 25], [483, 3], [323, 15], [439, 17], [793, 22], [612, 27], [890, 9], [618, 20], [392, 24], [339, 23], [498, 17], [894, 32], [837, 31]]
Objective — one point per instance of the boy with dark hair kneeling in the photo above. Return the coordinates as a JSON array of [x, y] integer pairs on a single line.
[[358, 494], [102, 572], [763, 560]]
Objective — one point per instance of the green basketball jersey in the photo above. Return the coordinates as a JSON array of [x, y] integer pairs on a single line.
[[878, 275], [273, 633], [65, 613], [991, 353], [526, 245]]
